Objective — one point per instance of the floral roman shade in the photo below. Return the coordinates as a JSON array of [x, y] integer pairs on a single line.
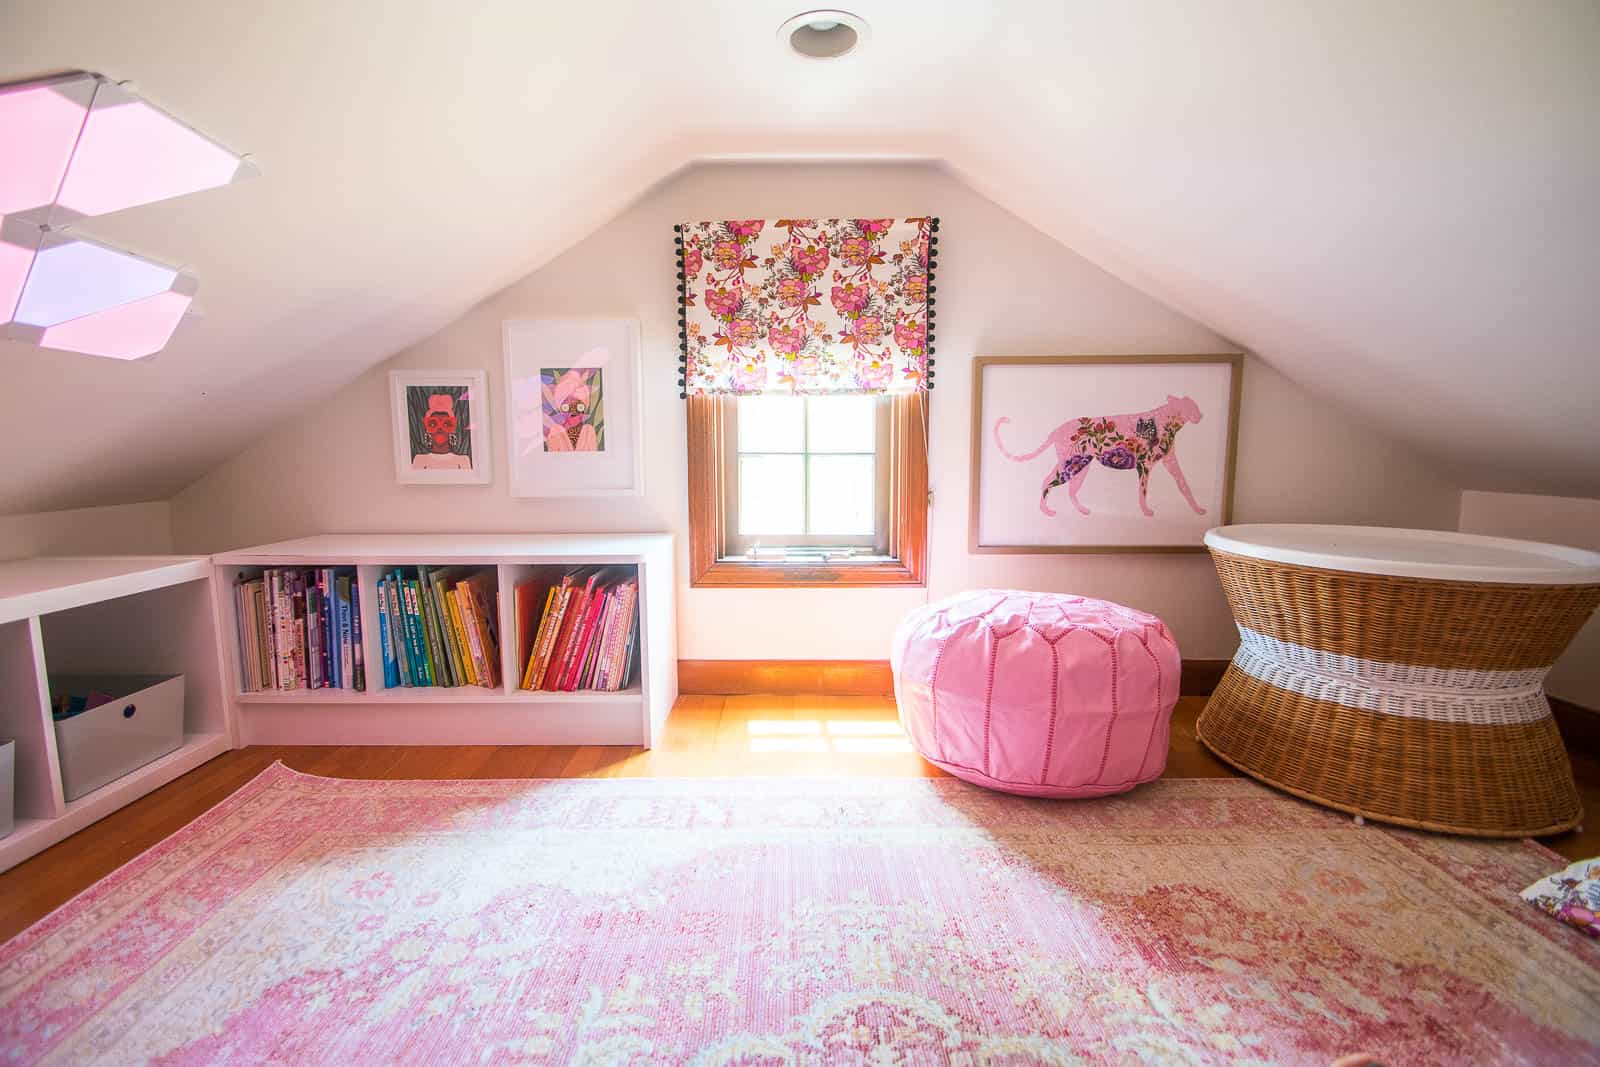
[[806, 305]]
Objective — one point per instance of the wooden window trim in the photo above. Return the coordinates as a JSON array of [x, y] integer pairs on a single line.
[[908, 510]]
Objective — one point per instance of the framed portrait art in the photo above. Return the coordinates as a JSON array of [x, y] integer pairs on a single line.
[[441, 427], [1101, 453], [572, 407]]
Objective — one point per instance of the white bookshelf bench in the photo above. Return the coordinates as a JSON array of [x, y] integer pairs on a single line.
[[102, 615], [465, 715]]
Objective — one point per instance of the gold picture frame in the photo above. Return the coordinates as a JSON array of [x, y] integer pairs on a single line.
[[1172, 412]]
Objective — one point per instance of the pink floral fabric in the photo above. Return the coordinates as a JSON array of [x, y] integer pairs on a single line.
[[1571, 895], [758, 922], [806, 305]]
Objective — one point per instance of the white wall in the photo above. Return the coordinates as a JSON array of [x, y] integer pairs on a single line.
[[1561, 520], [1004, 289], [124, 529]]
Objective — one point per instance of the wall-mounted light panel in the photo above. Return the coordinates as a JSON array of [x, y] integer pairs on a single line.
[[72, 147]]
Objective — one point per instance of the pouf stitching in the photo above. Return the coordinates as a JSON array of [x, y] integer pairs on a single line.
[[1055, 683], [1111, 726], [1160, 695]]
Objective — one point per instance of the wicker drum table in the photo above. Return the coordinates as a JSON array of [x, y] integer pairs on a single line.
[[1397, 674]]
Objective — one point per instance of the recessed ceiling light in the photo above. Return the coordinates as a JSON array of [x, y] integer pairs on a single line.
[[826, 33]]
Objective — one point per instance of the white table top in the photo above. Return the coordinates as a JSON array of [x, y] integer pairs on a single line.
[[1438, 554]]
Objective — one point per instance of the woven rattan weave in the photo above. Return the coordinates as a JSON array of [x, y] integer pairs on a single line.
[[1411, 701]]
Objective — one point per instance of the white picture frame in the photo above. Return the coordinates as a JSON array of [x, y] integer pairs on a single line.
[[1101, 453], [573, 402], [465, 458]]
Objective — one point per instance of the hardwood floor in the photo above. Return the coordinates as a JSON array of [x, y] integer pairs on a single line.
[[707, 737]]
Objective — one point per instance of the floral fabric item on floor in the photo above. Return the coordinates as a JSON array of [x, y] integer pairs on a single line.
[[1572, 895], [762, 922]]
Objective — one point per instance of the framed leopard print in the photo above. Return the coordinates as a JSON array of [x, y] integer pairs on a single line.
[[1101, 453]]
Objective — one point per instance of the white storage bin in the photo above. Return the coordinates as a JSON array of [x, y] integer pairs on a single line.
[[142, 723], [8, 786]]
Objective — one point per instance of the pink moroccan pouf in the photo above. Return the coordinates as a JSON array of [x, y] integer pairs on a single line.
[[1041, 694]]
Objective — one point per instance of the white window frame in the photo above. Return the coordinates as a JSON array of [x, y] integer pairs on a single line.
[[802, 543]]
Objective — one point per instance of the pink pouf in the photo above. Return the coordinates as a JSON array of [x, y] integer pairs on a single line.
[[1041, 694]]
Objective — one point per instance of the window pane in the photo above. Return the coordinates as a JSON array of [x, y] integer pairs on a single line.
[[842, 495], [771, 424], [771, 494], [842, 423]]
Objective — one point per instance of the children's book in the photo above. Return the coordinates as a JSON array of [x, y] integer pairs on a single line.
[[357, 655]]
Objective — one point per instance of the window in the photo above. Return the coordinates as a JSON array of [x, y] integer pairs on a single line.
[[788, 491], [807, 476]]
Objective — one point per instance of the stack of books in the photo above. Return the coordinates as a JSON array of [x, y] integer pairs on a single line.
[[438, 627], [300, 628], [587, 636]]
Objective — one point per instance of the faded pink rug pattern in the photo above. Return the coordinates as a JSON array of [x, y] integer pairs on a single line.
[[760, 921]]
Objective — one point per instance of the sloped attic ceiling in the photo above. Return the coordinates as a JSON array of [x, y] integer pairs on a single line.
[[1393, 205]]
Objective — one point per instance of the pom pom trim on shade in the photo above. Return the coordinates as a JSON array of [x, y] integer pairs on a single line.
[[680, 253]]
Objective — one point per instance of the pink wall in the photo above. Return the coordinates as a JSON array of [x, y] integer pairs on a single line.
[[1004, 289]]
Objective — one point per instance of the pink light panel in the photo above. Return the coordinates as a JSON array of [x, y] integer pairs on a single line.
[[38, 130], [131, 331], [79, 145]]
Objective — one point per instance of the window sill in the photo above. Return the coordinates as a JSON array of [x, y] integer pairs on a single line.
[[782, 574]]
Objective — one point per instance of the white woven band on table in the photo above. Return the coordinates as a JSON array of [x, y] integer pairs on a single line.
[[1379, 672], [1484, 698]]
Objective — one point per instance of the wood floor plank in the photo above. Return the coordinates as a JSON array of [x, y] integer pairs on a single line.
[[796, 734]]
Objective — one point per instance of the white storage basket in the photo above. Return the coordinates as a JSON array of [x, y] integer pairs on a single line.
[[142, 723]]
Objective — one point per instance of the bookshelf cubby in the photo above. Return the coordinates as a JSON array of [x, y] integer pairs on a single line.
[[463, 715], [147, 615]]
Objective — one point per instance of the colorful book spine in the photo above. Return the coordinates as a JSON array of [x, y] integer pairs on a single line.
[[437, 667], [459, 630], [450, 610], [314, 660], [341, 600], [473, 634], [391, 666], [552, 639], [397, 630], [415, 645], [330, 627], [269, 669], [625, 625], [580, 642], [297, 612], [486, 613], [357, 655], [538, 638]]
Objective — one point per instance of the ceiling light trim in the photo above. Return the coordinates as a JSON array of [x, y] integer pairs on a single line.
[[824, 34]]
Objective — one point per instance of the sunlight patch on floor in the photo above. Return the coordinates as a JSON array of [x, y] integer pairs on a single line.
[[854, 736]]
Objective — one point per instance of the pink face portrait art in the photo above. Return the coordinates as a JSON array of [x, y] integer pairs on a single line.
[[573, 418]]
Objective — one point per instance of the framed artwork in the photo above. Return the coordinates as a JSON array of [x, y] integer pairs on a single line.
[[441, 427], [1101, 453], [572, 407]]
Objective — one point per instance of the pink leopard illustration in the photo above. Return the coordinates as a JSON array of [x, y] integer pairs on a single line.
[[1134, 442]]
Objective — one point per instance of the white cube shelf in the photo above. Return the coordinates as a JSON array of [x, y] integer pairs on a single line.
[[102, 615], [465, 715]]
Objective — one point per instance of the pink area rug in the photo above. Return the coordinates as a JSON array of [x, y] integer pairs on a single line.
[[759, 921]]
